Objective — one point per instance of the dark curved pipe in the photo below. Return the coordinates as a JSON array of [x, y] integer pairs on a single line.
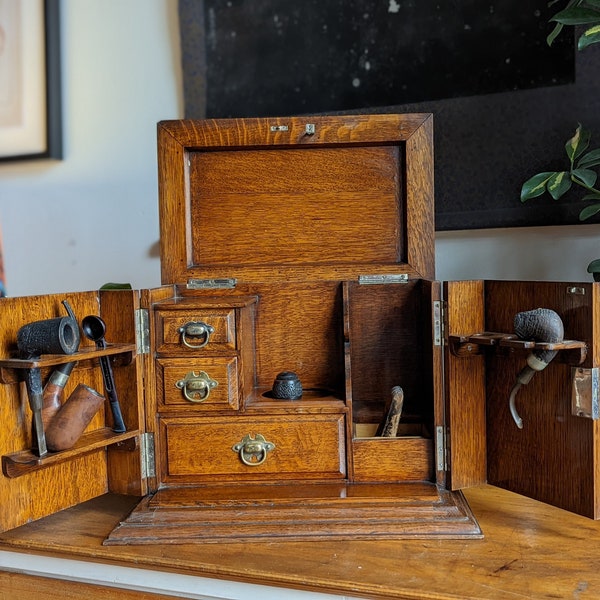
[[539, 325]]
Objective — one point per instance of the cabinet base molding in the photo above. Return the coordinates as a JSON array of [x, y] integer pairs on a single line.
[[311, 512]]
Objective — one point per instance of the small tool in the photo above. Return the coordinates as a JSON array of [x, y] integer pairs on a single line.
[[94, 329]]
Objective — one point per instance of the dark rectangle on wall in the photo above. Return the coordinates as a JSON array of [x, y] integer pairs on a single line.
[[276, 57], [504, 103]]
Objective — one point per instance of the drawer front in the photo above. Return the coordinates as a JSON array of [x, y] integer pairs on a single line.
[[393, 459], [222, 449], [178, 378], [200, 330]]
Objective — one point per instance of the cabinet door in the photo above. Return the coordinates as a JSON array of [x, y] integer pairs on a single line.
[[465, 387], [554, 456], [101, 460]]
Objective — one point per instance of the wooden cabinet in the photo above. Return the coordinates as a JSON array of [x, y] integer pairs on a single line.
[[305, 246]]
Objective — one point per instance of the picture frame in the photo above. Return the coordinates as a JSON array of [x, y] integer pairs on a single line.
[[30, 82]]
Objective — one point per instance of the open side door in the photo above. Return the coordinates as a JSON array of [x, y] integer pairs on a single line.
[[554, 456], [465, 418]]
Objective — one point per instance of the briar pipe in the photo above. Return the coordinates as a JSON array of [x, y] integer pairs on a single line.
[[53, 392], [49, 336], [539, 325], [74, 416]]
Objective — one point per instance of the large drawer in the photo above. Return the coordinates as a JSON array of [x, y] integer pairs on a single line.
[[177, 377], [219, 449]]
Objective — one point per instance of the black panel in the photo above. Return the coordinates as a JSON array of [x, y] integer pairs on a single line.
[[497, 121], [281, 58]]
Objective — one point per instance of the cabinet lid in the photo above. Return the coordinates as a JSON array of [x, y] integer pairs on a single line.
[[296, 198]]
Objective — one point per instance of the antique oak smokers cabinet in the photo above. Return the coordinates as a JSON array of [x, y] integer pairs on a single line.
[[306, 245]]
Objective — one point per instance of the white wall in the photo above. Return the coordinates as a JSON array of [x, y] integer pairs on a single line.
[[75, 224], [530, 253], [91, 218]]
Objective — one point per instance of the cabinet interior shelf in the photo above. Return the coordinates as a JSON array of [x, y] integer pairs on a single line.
[[10, 367], [21, 463]]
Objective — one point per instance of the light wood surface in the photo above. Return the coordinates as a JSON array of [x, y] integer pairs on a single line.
[[530, 550], [32, 587]]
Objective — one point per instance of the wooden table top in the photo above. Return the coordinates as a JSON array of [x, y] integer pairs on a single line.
[[530, 550]]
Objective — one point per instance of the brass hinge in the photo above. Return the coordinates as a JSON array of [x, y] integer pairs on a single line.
[[203, 284], [440, 449], [379, 279], [148, 456], [142, 331], [438, 316]]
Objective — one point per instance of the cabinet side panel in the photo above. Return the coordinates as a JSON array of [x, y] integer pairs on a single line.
[[420, 229], [465, 387]]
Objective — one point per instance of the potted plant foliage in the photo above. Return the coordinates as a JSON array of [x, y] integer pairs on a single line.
[[580, 170]]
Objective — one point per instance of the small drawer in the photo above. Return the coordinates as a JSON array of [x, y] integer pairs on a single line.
[[198, 330], [188, 384], [244, 448]]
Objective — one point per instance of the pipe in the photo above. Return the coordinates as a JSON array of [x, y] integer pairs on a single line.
[[539, 325]]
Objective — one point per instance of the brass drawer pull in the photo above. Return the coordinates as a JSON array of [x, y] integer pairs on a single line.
[[253, 450], [196, 329], [196, 387]]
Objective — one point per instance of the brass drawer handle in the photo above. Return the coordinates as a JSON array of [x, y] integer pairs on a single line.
[[198, 330], [196, 387], [253, 450]]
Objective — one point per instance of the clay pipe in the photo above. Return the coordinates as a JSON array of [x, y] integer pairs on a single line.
[[540, 325], [94, 328]]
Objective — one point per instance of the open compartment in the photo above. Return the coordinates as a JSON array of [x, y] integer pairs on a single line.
[[390, 370]]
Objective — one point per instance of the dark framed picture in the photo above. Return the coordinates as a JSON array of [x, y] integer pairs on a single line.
[[30, 98]]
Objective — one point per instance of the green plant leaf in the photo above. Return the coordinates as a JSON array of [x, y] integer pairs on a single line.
[[587, 176], [589, 211], [589, 37], [559, 184], [535, 186], [578, 144], [116, 286], [590, 159], [576, 15], [593, 4]]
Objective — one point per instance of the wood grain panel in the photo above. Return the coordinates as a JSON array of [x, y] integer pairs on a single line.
[[465, 387], [529, 549], [393, 459], [29, 587], [390, 335], [275, 206]]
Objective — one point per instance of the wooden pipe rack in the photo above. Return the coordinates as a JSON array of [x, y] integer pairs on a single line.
[[571, 351], [26, 461]]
